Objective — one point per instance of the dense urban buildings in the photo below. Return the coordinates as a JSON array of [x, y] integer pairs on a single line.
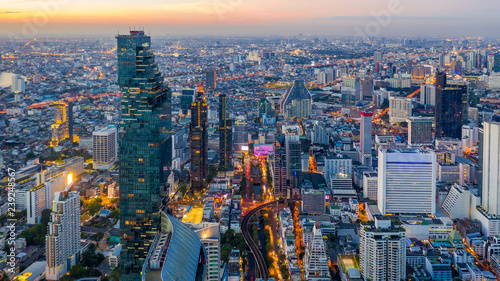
[[302, 156]]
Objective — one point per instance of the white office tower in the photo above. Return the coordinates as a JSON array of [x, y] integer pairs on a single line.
[[491, 168], [18, 84], [210, 238], [382, 251], [63, 238], [406, 181], [457, 203], [315, 259], [399, 109], [366, 139], [104, 148]]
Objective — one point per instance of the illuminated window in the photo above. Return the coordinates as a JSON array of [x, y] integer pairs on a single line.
[[141, 180], [131, 195], [140, 211], [141, 160]]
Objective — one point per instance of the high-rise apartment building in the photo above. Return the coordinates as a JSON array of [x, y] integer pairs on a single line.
[[382, 251], [199, 142], [211, 79], [406, 181], [428, 95], [40, 197], [491, 167], [18, 84], [63, 237], [104, 148], [320, 134], [299, 108], [399, 109], [225, 135], [419, 131], [370, 185], [145, 149], [315, 259], [366, 139]]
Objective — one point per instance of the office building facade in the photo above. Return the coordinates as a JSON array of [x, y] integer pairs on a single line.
[[199, 142], [491, 167], [144, 148], [406, 181], [366, 139], [211, 79], [225, 135], [419, 131], [449, 112]]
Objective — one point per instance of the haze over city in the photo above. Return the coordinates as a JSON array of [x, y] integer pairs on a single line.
[[255, 17]]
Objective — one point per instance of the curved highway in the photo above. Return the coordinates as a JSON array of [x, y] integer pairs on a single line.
[[259, 258]]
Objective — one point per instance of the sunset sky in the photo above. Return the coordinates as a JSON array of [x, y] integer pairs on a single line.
[[253, 17]]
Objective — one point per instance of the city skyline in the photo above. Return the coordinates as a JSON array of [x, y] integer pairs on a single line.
[[225, 17], [260, 144]]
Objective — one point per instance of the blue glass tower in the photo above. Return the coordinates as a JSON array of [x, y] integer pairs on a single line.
[[144, 149]]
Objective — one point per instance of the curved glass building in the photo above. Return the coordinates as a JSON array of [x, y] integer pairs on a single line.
[[176, 253]]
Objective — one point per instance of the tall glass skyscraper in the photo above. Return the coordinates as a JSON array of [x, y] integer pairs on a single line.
[[199, 142], [225, 135], [144, 146]]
